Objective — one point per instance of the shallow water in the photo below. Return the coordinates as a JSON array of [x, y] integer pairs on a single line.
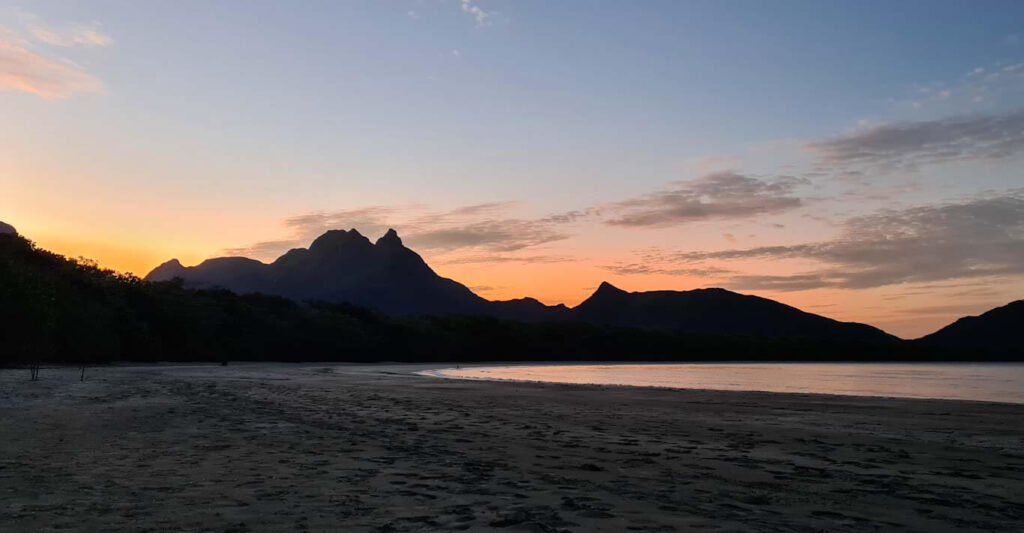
[[1002, 382]]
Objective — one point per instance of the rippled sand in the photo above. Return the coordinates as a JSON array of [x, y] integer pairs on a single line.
[[315, 447]]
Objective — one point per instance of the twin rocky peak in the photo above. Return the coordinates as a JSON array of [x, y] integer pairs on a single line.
[[344, 266]]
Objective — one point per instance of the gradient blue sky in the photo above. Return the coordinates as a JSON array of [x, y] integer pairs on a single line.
[[536, 148]]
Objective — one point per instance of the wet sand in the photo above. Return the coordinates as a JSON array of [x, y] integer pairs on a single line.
[[376, 448]]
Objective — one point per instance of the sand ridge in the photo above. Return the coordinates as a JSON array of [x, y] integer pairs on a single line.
[[270, 447]]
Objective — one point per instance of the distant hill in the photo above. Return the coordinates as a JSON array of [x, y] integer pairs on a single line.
[[7, 229], [344, 266], [996, 330], [527, 310], [717, 312]]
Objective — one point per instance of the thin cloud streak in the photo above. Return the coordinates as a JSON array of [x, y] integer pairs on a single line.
[[629, 269], [505, 235], [716, 195], [485, 228], [526, 259], [488, 228], [23, 70], [70, 36], [977, 238], [482, 17], [909, 145]]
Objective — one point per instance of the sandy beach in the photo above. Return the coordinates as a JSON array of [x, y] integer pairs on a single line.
[[378, 448]]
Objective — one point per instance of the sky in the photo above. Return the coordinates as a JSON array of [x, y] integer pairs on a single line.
[[858, 159]]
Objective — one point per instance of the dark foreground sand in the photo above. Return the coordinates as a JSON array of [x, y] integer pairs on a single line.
[[314, 447]]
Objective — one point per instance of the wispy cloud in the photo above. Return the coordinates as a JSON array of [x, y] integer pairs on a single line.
[[26, 68], [493, 232], [647, 268], [483, 18], [371, 220], [486, 229], [70, 35], [305, 228], [974, 238], [716, 195], [909, 145], [959, 309], [492, 258], [23, 70], [501, 235], [985, 86]]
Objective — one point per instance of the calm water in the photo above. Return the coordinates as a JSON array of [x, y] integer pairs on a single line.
[[987, 382]]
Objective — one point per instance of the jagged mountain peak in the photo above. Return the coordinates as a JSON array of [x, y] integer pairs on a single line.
[[390, 239], [339, 266], [606, 289]]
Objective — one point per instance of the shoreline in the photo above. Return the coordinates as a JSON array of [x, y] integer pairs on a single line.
[[317, 447], [433, 370], [441, 374]]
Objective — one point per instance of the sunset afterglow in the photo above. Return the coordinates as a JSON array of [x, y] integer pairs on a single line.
[[856, 169]]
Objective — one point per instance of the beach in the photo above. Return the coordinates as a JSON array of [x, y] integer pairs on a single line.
[[320, 447]]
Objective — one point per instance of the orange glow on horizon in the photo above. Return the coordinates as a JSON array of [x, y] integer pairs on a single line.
[[570, 282], [118, 256]]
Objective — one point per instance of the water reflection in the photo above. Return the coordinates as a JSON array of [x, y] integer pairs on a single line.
[[987, 382]]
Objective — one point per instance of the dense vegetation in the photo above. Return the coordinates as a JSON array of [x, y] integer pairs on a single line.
[[59, 310]]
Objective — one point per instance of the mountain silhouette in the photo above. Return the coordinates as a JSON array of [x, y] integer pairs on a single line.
[[996, 330], [527, 310], [65, 310], [68, 311], [716, 312], [345, 267], [339, 266], [7, 229]]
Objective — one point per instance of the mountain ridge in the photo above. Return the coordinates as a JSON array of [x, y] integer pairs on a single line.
[[345, 266], [996, 329], [338, 266], [62, 310], [716, 311]]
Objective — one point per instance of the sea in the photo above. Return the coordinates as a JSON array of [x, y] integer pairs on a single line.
[[990, 382]]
